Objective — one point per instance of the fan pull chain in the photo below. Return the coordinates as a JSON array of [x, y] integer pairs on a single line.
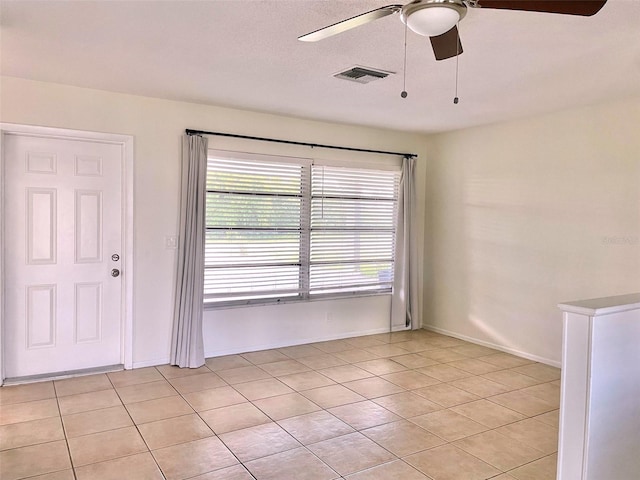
[[404, 71], [456, 99]]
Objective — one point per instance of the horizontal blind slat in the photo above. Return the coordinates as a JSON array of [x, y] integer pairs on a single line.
[[252, 242], [352, 230], [256, 231]]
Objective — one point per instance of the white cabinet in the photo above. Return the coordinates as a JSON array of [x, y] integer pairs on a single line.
[[600, 402]]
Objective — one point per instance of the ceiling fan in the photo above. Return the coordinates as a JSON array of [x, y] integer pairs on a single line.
[[438, 19]]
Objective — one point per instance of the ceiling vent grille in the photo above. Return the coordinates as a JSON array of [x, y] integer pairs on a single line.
[[362, 74]]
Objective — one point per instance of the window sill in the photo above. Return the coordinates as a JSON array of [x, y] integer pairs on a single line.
[[283, 301]]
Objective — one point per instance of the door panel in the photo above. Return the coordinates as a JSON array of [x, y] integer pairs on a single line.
[[41, 225], [62, 224]]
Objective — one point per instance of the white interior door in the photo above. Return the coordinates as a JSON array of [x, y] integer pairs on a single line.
[[63, 249]]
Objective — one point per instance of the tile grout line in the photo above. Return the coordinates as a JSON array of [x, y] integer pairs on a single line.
[[136, 427], [372, 399], [64, 431]]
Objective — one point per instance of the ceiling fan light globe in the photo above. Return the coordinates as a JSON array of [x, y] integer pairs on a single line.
[[433, 21]]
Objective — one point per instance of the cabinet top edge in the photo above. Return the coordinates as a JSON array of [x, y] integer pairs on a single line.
[[602, 306]]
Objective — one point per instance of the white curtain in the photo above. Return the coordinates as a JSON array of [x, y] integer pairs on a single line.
[[404, 302], [187, 348]]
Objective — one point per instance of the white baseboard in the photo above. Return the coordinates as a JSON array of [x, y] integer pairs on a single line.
[[502, 348], [265, 346], [401, 328], [151, 363], [268, 346]]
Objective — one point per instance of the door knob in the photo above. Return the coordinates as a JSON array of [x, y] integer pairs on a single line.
[[115, 272]]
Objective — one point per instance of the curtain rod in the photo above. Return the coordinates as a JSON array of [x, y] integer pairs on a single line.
[[305, 144]]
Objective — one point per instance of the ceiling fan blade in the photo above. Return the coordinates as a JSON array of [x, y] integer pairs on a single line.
[[446, 45], [350, 23], [585, 8]]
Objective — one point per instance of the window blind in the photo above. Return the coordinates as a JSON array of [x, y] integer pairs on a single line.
[[292, 230], [352, 230], [254, 229]]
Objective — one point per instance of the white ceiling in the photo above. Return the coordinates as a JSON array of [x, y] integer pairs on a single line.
[[245, 54]]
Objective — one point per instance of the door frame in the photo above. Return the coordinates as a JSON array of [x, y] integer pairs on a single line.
[[126, 144]]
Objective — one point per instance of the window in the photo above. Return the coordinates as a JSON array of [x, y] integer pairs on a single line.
[[352, 230], [281, 228]]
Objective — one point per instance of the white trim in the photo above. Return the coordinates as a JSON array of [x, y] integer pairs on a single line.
[[587, 406], [266, 346], [495, 346], [257, 157], [361, 165], [2, 374], [320, 156], [126, 143], [603, 306], [563, 393], [208, 305], [151, 363], [400, 328], [306, 341], [129, 249]]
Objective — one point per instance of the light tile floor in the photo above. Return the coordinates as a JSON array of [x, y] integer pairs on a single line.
[[408, 406]]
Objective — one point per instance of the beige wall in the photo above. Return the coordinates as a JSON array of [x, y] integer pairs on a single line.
[[157, 126], [519, 216], [526, 214]]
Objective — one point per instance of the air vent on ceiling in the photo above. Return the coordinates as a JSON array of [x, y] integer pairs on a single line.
[[362, 74]]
